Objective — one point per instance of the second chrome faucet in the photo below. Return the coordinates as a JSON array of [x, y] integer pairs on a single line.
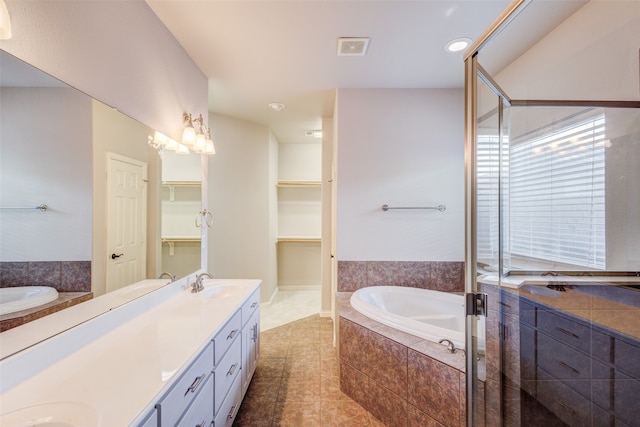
[[197, 286]]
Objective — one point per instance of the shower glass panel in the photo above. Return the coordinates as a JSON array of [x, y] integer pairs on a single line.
[[556, 228]]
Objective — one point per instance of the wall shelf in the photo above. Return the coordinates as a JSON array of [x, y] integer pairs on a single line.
[[180, 239], [182, 183], [300, 184], [293, 239]]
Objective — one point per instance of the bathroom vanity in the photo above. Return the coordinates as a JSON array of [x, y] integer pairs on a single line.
[[171, 357]]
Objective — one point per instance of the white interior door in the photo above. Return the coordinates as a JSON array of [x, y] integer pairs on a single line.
[[126, 221]]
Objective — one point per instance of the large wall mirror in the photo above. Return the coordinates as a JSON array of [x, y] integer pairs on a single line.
[[117, 210]]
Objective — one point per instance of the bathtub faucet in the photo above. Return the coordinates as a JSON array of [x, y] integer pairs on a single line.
[[450, 346], [197, 286]]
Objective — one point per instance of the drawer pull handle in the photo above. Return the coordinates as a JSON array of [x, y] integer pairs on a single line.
[[564, 331], [202, 424], [253, 305], [567, 407], [232, 412], [254, 329], [232, 334], [564, 365], [195, 384], [232, 369]]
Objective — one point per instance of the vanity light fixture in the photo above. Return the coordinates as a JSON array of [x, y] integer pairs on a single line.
[[5, 22], [161, 142], [196, 135], [457, 45]]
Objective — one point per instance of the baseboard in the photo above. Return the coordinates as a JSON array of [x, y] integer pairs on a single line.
[[325, 313], [268, 303], [299, 287]]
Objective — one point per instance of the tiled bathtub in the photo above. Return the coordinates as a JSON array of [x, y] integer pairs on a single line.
[[401, 379]]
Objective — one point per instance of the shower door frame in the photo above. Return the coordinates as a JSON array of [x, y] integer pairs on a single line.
[[474, 72]]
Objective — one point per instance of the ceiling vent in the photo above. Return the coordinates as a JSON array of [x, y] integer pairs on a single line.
[[352, 46]]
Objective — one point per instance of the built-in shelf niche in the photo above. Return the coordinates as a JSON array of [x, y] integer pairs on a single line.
[[299, 211], [299, 216]]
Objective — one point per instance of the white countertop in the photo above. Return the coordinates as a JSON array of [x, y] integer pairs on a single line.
[[124, 372]]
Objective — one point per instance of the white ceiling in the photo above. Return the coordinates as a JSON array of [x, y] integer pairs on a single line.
[[257, 52]]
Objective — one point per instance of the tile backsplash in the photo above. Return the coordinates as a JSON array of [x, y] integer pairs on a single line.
[[446, 276], [64, 276]]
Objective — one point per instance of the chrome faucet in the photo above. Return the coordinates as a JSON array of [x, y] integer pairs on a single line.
[[450, 346], [197, 286], [171, 277]]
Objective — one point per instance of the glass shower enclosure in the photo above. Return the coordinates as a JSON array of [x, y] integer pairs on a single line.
[[553, 215]]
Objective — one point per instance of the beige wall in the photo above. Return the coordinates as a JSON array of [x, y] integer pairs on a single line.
[[45, 160], [402, 147], [241, 198]]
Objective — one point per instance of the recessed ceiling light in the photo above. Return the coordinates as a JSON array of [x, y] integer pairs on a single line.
[[352, 46], [276, 106], [457, 45]]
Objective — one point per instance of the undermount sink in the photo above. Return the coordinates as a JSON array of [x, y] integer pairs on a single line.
[[224, 290], [52, 414]]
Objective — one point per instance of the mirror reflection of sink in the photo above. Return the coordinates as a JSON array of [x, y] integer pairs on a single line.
[[224, 290], [53, 414]]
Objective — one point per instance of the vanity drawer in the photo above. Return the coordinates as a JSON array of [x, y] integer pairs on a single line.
[[229, 409], [566, 404], [200, 413], [565, 363], [226, 336], [571, 332], [227, 371], [174, 403], [250, 306]]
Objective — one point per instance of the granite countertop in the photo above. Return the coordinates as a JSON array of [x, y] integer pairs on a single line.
[[609, 302]]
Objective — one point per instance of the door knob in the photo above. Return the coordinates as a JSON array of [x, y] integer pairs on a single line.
[[114, 256]]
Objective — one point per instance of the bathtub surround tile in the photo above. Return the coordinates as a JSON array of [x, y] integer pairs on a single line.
[[417, 418], [75, 276], [354, 384], [352, 275], [447, 276], [434, 388], [45, 273], [387, 364], [434, 392], [65, 276], [353, 338], [386, 406], [382, 273], [414, 274], [14, 274]]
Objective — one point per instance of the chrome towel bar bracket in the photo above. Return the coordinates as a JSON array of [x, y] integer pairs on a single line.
[[441, 208], [41, 208]]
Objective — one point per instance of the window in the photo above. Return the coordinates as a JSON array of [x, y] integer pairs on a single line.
[[557, 193]]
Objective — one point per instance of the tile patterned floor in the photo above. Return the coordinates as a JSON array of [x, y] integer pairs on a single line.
[[296, 383], [288, 306]]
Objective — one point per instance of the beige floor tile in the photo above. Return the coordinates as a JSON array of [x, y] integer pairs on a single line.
[[345, 413]]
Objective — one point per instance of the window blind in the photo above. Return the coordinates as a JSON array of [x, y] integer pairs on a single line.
[[557, 194]]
